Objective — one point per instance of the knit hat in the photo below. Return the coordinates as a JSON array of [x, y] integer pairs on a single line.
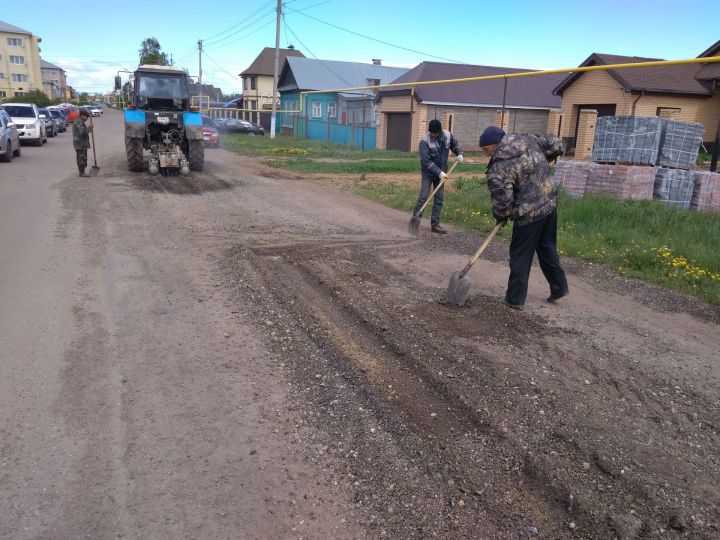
[[491, 135], [434, 126]]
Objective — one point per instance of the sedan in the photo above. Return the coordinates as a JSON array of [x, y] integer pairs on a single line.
[[9, 138], [243, 126], [27, 120], [59, 118], [50, 125], [211, 135]]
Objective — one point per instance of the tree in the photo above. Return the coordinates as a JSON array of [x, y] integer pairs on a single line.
[[38, 97], [151, 53]]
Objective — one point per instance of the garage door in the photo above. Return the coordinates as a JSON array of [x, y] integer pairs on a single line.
[[398, 131]]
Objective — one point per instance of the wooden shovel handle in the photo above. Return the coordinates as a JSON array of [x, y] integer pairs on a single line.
[[422, 208], [482, 248], [92, 135]]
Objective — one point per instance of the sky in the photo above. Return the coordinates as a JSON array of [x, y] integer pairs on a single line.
[[93, 40]]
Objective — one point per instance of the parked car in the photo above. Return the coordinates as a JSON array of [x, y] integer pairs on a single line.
[[26, 118], [211, 135], [60, 119], [235, 125], [50, 125], [93, 110], [9, 138]]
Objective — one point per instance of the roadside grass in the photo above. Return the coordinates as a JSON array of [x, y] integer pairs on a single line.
[[286, 146], [367, 166], [641, 239]]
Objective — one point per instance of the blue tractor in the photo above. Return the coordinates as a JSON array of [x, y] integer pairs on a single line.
[[159, 118]]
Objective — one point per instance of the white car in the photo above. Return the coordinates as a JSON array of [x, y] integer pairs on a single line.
[[26, 118], [95, 110]]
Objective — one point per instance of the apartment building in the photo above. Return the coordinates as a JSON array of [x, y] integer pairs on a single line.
[[53, 80], [19, 61]]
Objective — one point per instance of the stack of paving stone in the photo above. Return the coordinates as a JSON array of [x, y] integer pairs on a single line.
[[706, 194], [573, 176], [674, 187], [680, 144], [623, 181], [633, 140]]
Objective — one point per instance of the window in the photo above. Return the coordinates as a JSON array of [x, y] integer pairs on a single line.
[[2, 75], [316, 109], [3, 93], [19, 77], [17, 60], [667, 112], [20, 93], [14, 42], [332, 110], [253, 83]]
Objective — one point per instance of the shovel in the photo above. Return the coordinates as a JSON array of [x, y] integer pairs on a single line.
[[414, 227], [94, 170], [459, 286]]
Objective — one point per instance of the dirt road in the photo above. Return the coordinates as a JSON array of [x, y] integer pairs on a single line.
[[235, 355]]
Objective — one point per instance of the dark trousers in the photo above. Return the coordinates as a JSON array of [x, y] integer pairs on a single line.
[[81, 158], [427, 186], [539, 237]]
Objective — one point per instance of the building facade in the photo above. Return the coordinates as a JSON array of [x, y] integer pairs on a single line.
[[258, 81], [54, 80], [20, 68]]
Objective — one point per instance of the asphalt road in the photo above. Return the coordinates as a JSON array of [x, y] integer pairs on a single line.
[[250, 353]]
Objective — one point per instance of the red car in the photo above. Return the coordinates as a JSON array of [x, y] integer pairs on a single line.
[[211, 135], [72, 113]]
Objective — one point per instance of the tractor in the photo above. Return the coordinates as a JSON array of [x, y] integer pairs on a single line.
[[159, 118]]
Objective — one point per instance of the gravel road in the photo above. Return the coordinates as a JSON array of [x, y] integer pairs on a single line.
[[245, 353]]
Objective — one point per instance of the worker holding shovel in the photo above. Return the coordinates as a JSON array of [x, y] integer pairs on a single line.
[[522, 189], [81, 140], [435, 147]]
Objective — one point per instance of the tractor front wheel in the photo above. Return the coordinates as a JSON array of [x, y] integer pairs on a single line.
[[196, 155], [134, 149]]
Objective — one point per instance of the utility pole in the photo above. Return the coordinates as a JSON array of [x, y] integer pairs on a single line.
[[200, 43], [273, 117]]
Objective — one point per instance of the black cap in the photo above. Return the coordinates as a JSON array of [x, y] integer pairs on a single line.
[[434, 126]]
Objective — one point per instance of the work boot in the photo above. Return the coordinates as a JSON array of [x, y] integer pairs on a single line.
[[81, 171], [438, 229], [505, 303], [554, 297]]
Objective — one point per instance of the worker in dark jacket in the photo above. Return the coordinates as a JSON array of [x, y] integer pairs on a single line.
[[522, 189], [434, 149], [81, 140]]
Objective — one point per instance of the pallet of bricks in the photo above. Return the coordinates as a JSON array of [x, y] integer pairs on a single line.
[[641, 157]]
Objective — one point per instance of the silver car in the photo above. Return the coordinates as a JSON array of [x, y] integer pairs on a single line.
[[9, 139]]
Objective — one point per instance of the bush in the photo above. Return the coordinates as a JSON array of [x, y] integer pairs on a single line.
[[37, 97]]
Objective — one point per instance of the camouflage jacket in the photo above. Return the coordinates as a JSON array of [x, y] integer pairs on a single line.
[[434, 153], [519, 180], [81, 134]]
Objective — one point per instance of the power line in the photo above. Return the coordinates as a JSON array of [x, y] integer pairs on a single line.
[[311, 53], [268, 23], [249, 23], [237, 24], [219, 66], [375, 39]]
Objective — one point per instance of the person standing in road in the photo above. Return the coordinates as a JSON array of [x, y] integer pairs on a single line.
[[522, 189], [81, 140], [435, 147]]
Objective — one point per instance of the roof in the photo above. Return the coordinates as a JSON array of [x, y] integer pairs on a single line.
[[522, 92], [680, 79], [6, 27], [312, 74], [264, 64], [48, 65]]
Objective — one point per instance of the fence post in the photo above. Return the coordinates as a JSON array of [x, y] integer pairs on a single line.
[[586, 133]]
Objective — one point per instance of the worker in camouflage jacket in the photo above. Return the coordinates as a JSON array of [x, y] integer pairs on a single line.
[[81, 140], [434, 149], [523, 190]]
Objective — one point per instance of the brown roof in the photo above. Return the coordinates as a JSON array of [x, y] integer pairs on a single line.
[[264, 64], [682, 79], [523, 92]]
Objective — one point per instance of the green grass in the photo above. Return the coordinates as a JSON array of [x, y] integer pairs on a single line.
[[367, 166], [286, 146], [643, 239]]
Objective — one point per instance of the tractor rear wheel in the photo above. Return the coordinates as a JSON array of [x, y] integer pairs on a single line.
[[134, 150], [196, 155]]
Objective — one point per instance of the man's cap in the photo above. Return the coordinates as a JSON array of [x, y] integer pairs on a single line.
[[491, 135], [434, 126], [84, 112]]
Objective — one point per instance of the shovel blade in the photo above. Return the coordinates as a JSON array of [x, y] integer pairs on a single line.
[[94, 171], [414, 226], [458, 289]]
